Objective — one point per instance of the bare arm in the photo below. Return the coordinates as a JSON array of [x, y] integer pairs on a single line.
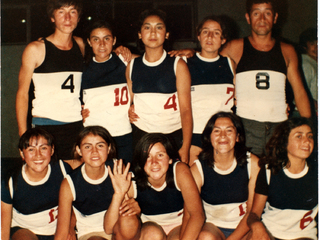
[[80, 43], [32, 56], [233, 50], [6, 216], [65, 210], [192, 202], [242, 227], [183, 83], [121, 180], [294, 77]]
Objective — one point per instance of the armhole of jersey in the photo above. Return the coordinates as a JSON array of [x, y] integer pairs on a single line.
[[185, 59], [134, 185], [63, 169], [131, 66], [175, 65], [122, 59], [174, 175], [230, 65], [199, 166], [71, 187], [11, 187], [249, 164], [268, 175]]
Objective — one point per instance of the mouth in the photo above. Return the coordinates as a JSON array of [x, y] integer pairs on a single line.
[[39, 162]]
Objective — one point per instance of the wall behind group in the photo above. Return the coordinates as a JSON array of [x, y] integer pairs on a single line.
[[294, 17]]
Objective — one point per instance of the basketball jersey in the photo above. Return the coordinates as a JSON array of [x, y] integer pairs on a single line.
[[35, 204], [292, 203], [91, 199], [155, 94], [224, 193], [106, 95], [260, 84], [57, 84], [212, 88], [162, 205]]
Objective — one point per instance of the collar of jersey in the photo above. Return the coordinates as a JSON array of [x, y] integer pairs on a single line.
[[42, 181], [207, 59], [228, 171], [91, 181], [156, 63], [296, 175]]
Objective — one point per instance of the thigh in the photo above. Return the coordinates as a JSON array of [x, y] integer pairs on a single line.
[[18, 233], [152, 231], [174, 234], [210, 231]]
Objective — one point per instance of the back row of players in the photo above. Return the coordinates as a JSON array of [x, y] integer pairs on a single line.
[[165, 93]]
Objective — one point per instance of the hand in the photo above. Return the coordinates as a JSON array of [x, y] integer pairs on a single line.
[[184, 154], [125, 52], [84, 113], [132, 115], [129, 207], [183, 52], [121, 179]]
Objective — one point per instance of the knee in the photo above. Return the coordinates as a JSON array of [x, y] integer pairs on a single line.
[[207, 235], [127, 227], [152, 231]]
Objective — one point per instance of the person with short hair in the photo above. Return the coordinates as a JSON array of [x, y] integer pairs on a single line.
[[263, 65], [54, 65]]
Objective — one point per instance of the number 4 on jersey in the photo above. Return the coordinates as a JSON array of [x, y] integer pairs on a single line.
[[68, 83], [171, 103]]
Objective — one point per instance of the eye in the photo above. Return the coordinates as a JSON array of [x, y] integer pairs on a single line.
[[310, 136], [205, 32], [44, 148]]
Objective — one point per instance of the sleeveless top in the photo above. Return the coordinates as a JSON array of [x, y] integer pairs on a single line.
[[57, 84], [260, 84]]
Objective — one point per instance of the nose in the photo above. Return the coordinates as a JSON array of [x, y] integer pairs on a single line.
[[223, 134], [67, 16], [153, 30], [38, 153], [210, 34]]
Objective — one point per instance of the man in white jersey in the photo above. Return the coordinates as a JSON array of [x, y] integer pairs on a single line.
[[263, 64], [57, 79]]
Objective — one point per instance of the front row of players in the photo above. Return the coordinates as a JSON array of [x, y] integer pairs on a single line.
[[223, 195]]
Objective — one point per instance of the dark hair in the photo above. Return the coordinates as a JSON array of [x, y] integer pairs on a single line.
[[147, 13], [308, 35], [217, 19], [240, 149], [96, 131], [141, 153], [53, 5], [96, 24], [24, 143], [276, 149], [250, 3]]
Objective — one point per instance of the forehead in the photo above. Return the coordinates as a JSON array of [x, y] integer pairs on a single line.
[[301, 129], [157, 147], [37, 140], [91, 139], [100, 31], [262, 6], [225, 121], [153, 19], [211, 24]]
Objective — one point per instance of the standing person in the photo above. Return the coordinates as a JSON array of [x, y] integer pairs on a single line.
[[212, 79], [286, 194], [225, 174], [263, 64], [160, 86], [30, 195], [105, 91], [165, 191], [88, 190], [309, 41], [54, 64]]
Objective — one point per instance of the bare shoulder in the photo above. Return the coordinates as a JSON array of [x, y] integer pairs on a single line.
[[254, 159], [233, 49], [34, 53], [288, 51], [80, 43]]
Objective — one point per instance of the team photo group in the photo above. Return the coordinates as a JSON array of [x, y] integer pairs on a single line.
[[167, 144]]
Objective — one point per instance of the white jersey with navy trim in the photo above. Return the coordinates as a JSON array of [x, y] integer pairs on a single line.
[[162, 205], [57, 84], [91, 199], [224, 193], [106, 95], [292, 203], [212, 88], [260, 84], [35, 204], [155, 94]]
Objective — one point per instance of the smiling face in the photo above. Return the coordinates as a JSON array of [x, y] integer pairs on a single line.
[[210, 38], [157, 165], [94, 150], [37, 156], [312, 49], [300, 143], [261, 18], [102, 41], [224, 136], [65, 19], [153, 32]]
